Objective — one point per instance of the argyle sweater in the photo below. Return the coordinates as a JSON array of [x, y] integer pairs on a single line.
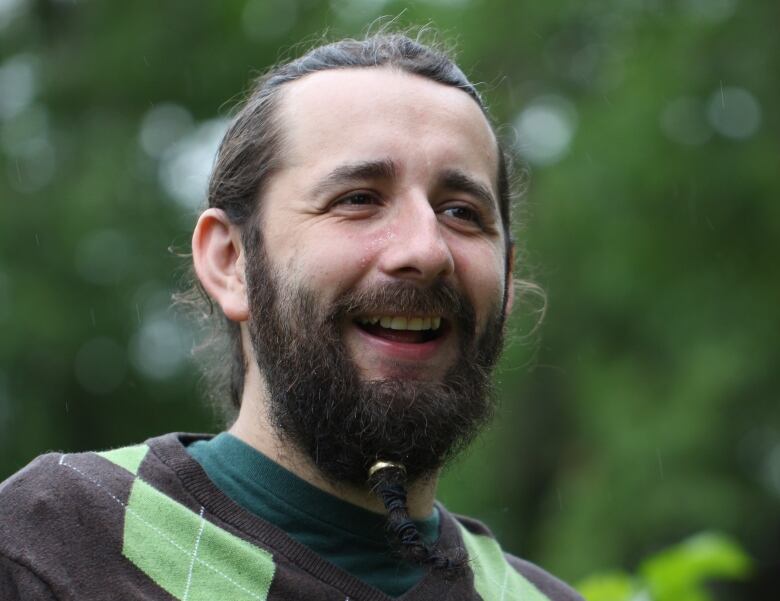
[[145, 522]]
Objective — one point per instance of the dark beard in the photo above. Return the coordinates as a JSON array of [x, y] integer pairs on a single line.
[[320, 404]]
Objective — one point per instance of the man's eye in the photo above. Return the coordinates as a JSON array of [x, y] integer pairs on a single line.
[[463, 214], [357, 199]]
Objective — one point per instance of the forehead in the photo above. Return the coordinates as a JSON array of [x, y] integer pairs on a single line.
[[378, 113]]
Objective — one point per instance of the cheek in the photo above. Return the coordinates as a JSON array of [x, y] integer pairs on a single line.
[[335, 262], [481, 273]]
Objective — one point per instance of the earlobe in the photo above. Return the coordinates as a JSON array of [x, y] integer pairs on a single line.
[[218, 258]]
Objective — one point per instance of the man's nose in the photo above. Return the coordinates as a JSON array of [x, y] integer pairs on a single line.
[[416, 249]]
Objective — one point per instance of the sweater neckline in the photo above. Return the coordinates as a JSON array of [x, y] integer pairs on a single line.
[[255, 470], [170, 449]]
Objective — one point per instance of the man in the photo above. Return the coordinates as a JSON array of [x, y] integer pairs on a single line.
[[357, 250]]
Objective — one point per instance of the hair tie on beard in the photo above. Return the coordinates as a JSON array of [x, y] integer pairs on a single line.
[[387, 480]]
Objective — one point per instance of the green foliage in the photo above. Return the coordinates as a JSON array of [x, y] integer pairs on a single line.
[[609, 586], [648, 408], [679, 573]]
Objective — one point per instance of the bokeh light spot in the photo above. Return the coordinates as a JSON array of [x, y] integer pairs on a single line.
[[545, 129], [10, 10], [734, 112], [18, 83], [186, 165], [158, 348], [162, 126]]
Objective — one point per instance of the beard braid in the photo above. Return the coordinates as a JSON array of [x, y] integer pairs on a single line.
[[388, 482], [319, 403]]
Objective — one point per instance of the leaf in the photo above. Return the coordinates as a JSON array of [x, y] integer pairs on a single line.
[[607, 586], [679, 573]]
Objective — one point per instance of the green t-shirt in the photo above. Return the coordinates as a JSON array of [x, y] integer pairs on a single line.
[[348, 536]]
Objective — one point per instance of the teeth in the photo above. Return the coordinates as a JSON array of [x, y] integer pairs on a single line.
[[398, 323], [394, 322]]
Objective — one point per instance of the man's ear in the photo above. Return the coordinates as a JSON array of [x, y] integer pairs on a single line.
[[218, 257]]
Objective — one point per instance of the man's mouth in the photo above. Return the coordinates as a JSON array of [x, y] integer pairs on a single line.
[[416, 329]]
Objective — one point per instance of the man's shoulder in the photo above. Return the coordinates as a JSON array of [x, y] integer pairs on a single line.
[[488, 560], [39, 476], [41, 507], [37, 489], [64, 519], [55, 484], [59, 491]]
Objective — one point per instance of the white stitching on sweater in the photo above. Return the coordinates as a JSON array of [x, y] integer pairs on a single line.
[[503, 587], [194, 554], [503, 584], [162, 535], [95, 482]]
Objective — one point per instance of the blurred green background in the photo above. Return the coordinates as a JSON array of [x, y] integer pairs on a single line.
[[645, 409]]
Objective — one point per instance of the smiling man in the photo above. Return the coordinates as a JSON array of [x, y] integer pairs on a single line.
[[357, 250]]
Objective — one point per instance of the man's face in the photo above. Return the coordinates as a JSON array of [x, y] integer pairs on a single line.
[[377, 290]]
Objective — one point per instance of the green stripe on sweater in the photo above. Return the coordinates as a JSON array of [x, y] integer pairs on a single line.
[[494, 578], [189, 557], [129, 458]]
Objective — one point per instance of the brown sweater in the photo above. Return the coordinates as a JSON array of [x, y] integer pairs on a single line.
[[145, 522]]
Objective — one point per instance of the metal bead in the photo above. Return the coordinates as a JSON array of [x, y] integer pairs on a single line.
[[381, 465]]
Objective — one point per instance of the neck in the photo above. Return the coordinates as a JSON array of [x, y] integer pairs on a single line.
[[254, 428]]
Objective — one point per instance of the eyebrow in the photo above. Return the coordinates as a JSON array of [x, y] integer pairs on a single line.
[[385, 169], [353, 172], [459, 181]]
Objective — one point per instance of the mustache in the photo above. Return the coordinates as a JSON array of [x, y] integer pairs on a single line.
[[440, 298]]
